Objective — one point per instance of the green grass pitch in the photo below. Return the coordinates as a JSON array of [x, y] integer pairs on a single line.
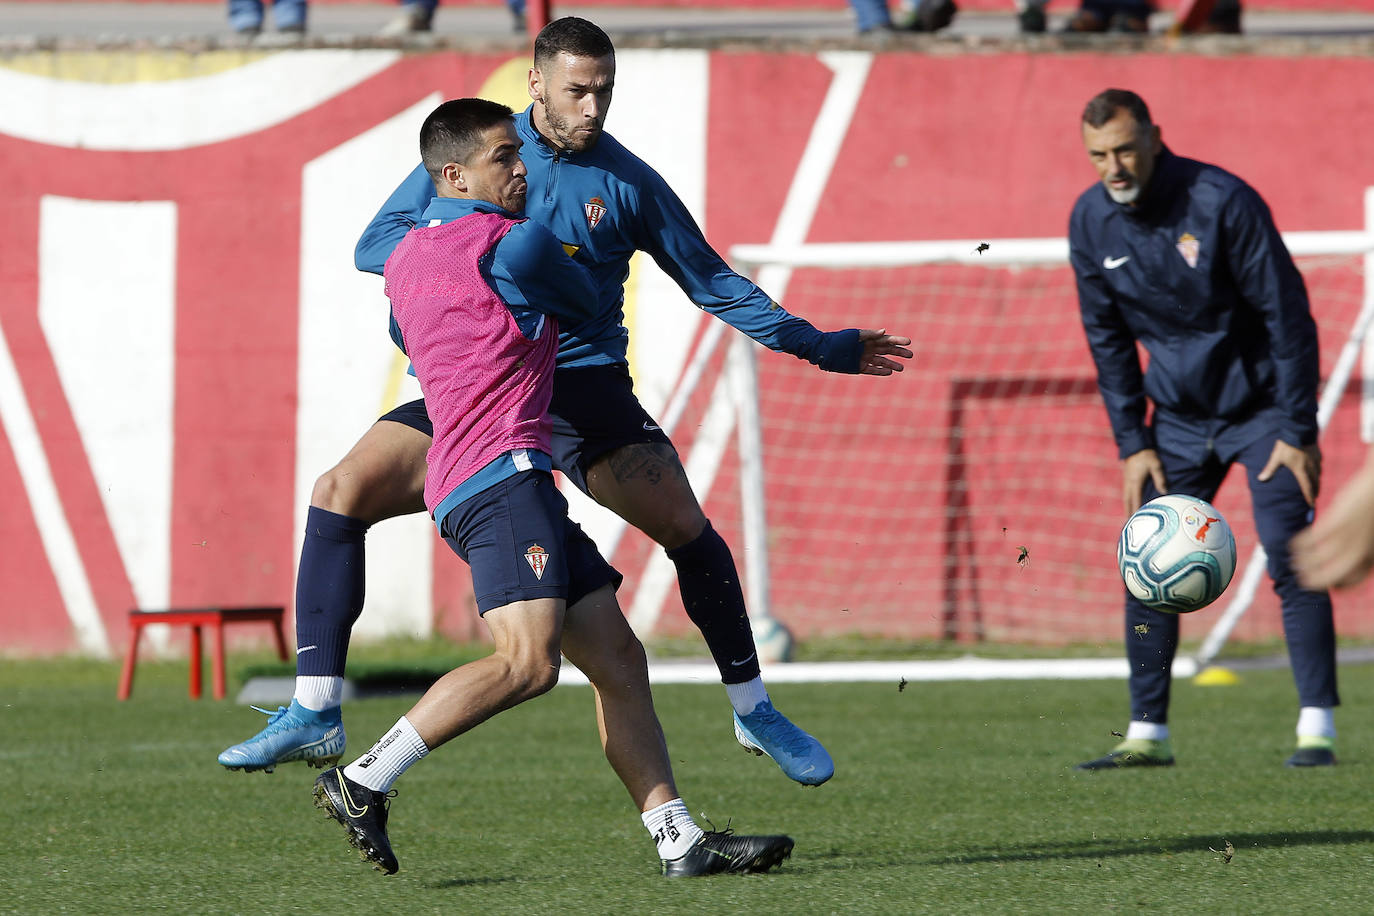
[[948, 798]]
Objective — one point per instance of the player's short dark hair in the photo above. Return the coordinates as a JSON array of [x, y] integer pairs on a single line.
[[453, 131], [573, 36], [1102, 107]]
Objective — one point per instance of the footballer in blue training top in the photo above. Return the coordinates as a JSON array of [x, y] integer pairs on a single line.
[[605, 203]]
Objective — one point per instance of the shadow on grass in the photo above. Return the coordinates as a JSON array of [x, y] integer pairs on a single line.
[[483, 881], [1101, 849]]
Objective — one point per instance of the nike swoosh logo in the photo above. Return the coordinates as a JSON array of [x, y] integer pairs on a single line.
[[348, 800], [305, 649], [1114, 263], [649, 427], [746, 660]]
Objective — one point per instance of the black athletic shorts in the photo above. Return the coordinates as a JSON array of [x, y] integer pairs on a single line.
[[594, 411], [412, 415]]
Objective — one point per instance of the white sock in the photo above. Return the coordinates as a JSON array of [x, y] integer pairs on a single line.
[[319, 693], [744, 697], [1146, 731], [1317, 722], [380, 767], [672, 828]]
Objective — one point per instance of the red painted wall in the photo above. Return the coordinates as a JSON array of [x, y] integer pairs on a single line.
[[897, 506]]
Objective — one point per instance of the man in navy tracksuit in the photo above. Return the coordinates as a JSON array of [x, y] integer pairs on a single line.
[[1185, 259]]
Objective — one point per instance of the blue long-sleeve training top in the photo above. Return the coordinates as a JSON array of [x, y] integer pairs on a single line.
[[1198, 274], [604, 204]]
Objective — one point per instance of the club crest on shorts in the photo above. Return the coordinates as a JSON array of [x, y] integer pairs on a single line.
[[538, 558], [1189, 247], [596, 208]]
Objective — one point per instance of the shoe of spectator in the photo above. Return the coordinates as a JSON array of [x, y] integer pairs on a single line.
[[1221, 22], [1085, 21], [1124, 23], [933, 15], [1032, 20], [412, 18]]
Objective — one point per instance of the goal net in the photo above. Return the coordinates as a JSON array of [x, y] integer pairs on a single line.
[[975, 498]]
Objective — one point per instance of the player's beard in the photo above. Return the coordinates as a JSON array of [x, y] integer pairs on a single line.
[[565, 131]]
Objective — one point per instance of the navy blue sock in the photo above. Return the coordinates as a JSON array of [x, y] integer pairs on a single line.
[[714, 601], [329, 592]]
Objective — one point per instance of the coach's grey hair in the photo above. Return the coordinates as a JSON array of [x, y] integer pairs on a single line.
[[1103, 106]]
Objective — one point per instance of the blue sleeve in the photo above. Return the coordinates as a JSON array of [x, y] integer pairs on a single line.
[[531, 269], [671, 237], [1269, 281], [1113, 346], [397, 216]]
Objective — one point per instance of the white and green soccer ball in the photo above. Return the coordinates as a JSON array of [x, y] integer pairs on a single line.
[[773, 641], [1176, 554]]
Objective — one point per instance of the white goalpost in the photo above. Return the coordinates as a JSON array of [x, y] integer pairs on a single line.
[[795, 272]]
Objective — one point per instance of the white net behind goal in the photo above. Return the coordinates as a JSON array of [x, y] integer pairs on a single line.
[[976, 497]]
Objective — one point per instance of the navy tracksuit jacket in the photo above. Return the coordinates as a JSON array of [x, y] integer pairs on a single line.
[[1197, 273]]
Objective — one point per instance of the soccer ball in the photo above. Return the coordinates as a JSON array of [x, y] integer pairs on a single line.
[[1176, 554]]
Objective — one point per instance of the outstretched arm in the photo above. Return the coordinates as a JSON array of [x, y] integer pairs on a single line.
[[667, 232], [1338, 550], [881, 352]]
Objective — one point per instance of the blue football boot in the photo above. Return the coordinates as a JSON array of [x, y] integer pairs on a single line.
[[801, 757], [292, 733]]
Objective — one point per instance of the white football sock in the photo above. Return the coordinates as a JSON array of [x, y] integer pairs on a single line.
[[380, 767], [672, 828], [1317, 722], [318, 693], [1146, 731], [744, 697]]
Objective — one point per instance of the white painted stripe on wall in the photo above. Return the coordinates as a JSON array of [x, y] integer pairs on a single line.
[[107, 305], [660, 114], [176, 114], [53, 530], [346, 358]]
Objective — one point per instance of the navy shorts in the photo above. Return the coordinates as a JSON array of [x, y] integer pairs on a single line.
[[413, 415], [521, 545], [595, 411]]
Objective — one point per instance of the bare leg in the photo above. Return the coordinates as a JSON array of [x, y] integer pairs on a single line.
[[646, 485], [599, 641], [523, 666], [381, 477]]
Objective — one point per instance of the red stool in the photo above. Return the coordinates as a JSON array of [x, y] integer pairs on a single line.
[[196, 618]]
